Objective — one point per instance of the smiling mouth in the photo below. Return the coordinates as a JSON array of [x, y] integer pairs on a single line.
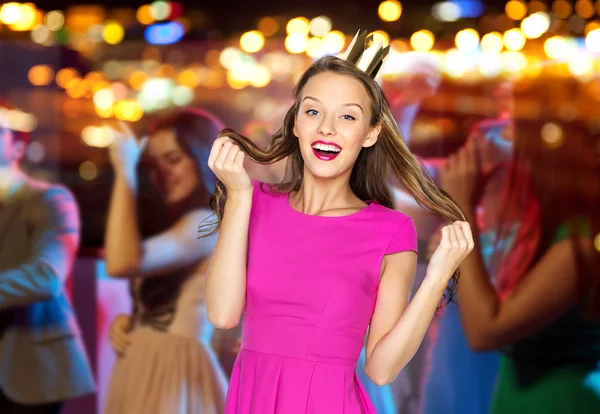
[[326, 150]]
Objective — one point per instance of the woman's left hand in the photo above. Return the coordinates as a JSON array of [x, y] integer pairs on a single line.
[[460, 176], [455, 245]]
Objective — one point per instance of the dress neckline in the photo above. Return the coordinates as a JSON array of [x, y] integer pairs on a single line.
[[370, 204]]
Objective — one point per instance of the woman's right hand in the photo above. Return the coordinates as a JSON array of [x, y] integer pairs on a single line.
[[119, 334], [125, 149], [226, 160]]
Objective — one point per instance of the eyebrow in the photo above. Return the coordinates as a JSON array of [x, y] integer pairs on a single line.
[[347, 104], [165, 154], [168, 153]]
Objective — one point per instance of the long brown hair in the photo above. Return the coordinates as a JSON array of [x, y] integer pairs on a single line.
[[370, 175]]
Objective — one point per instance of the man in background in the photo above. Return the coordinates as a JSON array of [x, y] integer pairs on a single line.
[[42, 359]]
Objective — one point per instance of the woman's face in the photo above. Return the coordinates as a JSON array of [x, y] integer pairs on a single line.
[[333, 124], [173, 171]]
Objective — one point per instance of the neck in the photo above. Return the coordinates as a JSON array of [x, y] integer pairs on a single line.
[[318, 195]]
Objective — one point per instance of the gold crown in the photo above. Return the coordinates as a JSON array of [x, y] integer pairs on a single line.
[[367, 55]]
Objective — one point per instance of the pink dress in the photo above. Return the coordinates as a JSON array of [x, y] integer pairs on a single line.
[[311, 290]]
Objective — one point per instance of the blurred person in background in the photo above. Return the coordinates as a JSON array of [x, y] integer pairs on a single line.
[[42, 358], [457, 379], [543, 313], [449, 369], [165, 364]]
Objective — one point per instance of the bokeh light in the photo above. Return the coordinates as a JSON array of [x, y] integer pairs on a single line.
[[389, 10], [422, 40], [113, 33], [268, 25], [40, 75], [492, 42], [298, 25], [54, 20], [320, 26], [516, 9], [296, 43], [514, 39], [252, 41], [467, 40]]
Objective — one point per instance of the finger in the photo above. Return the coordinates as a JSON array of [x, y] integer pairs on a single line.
[[122, 337], [114, 343], [126, 128], [231, 156], [120, 343], [143, 143], [116, 324], [460, 236], [120, 349], [239, 159], [445, 240], [222, 156], [452, 238], [118, 346], [466, 228], [116, 337], [215, 150], [125, 322]]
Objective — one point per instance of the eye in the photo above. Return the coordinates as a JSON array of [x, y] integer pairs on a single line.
[[174, 160], [348, 117], [312, 112]]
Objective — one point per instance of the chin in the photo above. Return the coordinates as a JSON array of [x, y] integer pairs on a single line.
[[173, 199], [324, 172], [324, 169]]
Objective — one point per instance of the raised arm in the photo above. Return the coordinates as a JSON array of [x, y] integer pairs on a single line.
[[546, 292], [225, 293], [397, 327], [55, 240], [123, 243]]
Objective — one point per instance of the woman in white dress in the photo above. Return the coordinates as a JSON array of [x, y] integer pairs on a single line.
[[165, 363]]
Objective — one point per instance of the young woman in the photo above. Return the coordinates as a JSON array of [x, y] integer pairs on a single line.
[[314, 261], [544, 313], [166, 364]]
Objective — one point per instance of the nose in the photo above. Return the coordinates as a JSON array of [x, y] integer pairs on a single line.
[[326, 128]]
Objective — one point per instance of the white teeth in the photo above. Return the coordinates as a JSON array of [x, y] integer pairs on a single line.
[[325, 147]]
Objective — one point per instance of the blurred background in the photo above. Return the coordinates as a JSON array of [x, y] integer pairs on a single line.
[[73, 68]]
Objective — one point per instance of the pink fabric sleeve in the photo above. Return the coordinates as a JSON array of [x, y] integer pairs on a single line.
[[404, 239]]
